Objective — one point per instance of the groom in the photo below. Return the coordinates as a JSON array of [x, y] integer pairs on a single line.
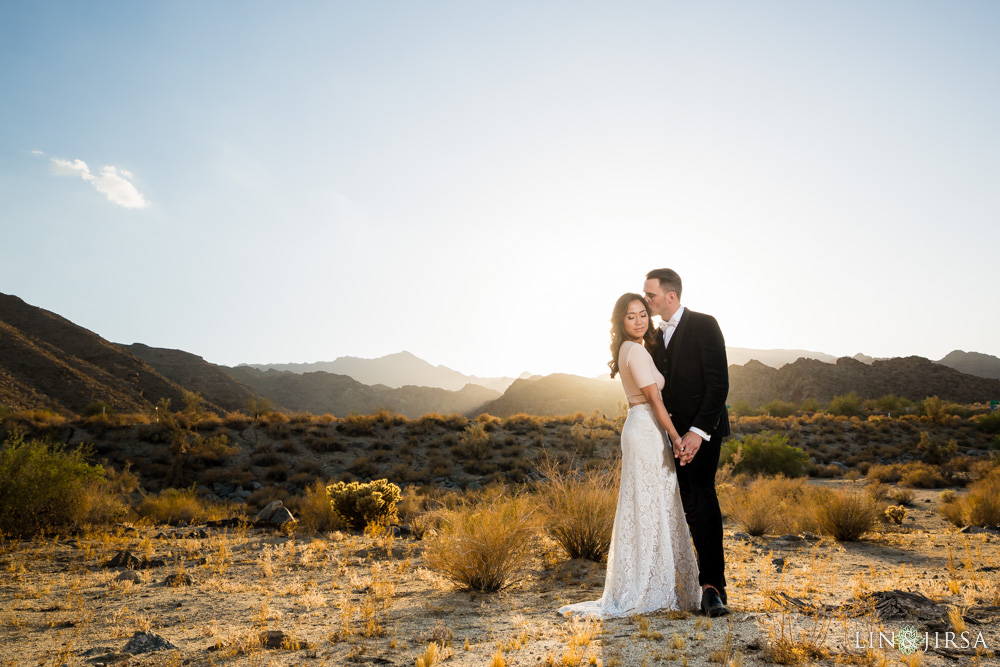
[[691, 354]]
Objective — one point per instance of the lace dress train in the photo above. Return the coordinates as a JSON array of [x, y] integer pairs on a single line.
[[651, 563]]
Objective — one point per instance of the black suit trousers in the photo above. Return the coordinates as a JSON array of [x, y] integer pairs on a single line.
[[701, 509]]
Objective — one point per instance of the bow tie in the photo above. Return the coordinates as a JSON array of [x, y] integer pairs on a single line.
[[667, 324]]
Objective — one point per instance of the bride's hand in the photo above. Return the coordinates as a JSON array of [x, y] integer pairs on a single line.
[[675, 439]]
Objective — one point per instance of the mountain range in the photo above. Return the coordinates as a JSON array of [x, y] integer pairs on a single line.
[[49, 362]]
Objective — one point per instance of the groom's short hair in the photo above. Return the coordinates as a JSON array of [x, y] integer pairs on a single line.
[[669, 280]]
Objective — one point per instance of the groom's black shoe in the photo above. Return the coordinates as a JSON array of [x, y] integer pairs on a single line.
[[712, 604], [722, 594]]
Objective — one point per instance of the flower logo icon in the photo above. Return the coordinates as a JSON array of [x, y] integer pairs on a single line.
[[908, 640]]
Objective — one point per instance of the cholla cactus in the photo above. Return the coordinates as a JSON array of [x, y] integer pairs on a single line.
[[895, 513], [360, 503]]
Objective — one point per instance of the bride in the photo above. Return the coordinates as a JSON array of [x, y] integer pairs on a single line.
[[651, 563]]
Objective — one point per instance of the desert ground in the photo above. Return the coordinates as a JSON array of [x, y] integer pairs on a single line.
[[256, 596]]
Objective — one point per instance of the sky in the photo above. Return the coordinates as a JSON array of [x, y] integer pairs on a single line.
[[477, 183]]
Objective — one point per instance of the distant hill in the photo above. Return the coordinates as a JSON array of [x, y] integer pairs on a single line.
[[737, 356], [557, 394], [973, 363], [214, 383], [393, 370], [46, 361], [320, 392], [914, 378]]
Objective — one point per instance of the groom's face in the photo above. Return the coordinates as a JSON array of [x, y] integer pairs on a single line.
[[661, 303]]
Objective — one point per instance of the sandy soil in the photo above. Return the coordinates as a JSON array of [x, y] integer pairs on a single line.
[[341, 598]]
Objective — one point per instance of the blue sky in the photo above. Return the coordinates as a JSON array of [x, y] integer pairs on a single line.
[[478, 182]]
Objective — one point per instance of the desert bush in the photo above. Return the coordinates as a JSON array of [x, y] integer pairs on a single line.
[[359, 504], [769, 503], [889, 403], [847, 514], [933, 408], [486, 544], [364, 467], [921, 476], [982, 503], [175, 505], [887, 473], [902, 496], [315, 512], [358, 425], [766, 453], [933, 451], [476, 441], [953, 512], [810, 405], [579, 509], [743, 409], [45, 486], [522, 423], [779, 408], [846, 405], [990, 422]]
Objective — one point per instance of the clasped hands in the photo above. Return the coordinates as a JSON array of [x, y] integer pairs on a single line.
[[686, 447]]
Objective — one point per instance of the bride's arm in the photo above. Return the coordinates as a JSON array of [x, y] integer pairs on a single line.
[[652, 394]]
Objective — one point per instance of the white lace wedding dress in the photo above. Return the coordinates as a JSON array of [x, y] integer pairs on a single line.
[[651, 563]]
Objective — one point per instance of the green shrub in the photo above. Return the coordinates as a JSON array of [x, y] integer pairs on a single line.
[[743, 409], [846, 405], [765, 453], [990, 422], [45, 486], [810, 405], [476, 442], [485, 545], [359, 504], [890, 403], [779, 409], [933, 452], [579, 508]]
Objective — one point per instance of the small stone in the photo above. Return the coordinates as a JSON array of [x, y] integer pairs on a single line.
[[268, 512], [779, 563], [182, 524], [742, 536], [129, 575], [811, 537], [147, 642], [179, 579], [790, 538], [282, 516], [124, 559]]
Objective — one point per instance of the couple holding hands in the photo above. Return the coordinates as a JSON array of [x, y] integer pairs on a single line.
[[676, 379]]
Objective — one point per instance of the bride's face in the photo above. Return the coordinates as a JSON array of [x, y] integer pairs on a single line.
[[636, 321]]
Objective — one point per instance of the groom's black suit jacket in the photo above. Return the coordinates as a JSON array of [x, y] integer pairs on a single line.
[[697, 375]]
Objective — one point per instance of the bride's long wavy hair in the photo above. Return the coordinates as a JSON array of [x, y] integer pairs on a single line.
[[618, 335]]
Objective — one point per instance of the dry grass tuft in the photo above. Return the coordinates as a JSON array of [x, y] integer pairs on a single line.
[[580, 508], [485, 545]]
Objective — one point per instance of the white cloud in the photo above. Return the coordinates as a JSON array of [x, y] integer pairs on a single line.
[[37, 153], [113, 183]]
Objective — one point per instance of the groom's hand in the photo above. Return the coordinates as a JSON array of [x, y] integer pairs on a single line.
[[690, 444]]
